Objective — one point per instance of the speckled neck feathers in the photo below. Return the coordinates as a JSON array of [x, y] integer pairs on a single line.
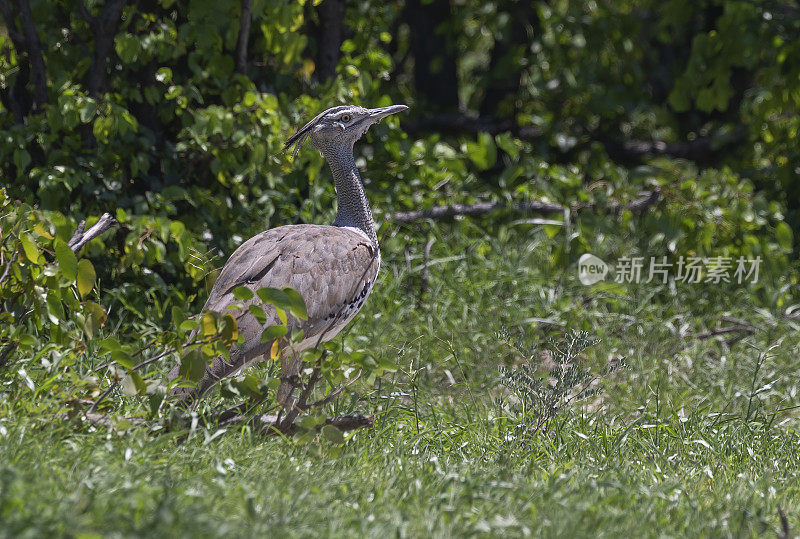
[[352, 205]]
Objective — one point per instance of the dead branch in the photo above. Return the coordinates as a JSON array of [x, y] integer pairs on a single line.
[[81, 238], [636, 207], [103, 420], [639, 205], [265, 424], [10, 262], [723, 331], [473, 210], [270, 424]]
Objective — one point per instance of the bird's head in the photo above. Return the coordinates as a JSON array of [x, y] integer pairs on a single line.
[[339, 127]]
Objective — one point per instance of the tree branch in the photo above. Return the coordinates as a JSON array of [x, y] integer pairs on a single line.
[[81, 238], [473, 210], [637, 206], [268, 424]]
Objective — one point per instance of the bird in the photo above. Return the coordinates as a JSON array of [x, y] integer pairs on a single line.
[[333, 267]]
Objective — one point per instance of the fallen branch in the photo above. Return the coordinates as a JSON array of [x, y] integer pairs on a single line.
[[637, 206], [473, 210], [81, 238], [270, 424]]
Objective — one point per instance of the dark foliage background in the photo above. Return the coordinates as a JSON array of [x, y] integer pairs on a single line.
[[172, 114]]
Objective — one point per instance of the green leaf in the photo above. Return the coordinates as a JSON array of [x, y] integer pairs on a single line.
[[55, 308], [275, 297], [281, 315], [250, 385], [258, 313], [109, 344], [87, 111], [297, 304], [273, 332], [188, 325], [178, 316], [95, 318], [21, 160], [243, 293], [30, 248], [132, 384], [333, 434], [483, 152], [193, 365], [784, 235], [86, 276], [67, 261], [122, 358], [26, 339], [208, 325], [310, 421]]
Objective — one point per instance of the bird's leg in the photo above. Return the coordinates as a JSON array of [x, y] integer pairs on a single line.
[[290, 378], [293, 407]]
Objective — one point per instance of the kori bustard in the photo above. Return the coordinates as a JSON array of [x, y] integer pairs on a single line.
[[332, 266]]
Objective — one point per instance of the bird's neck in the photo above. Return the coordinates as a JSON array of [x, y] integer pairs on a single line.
[[352, 205]]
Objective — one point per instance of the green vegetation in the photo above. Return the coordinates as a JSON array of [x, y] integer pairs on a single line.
[[494, 412]]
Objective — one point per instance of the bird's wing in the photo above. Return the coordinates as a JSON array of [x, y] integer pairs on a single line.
[[333, 268]]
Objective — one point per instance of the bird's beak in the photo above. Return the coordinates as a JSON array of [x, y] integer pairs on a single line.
[[376, 115]]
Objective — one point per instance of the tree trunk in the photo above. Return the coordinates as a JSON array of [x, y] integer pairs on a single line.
[[26, 43], [505, 63], [104, 27], [435, 75], [244, 37], [329, 37]]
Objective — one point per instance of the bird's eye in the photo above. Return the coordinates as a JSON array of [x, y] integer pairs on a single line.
[[345, 118]]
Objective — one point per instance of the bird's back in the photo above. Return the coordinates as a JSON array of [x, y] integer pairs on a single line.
[[333, 268]]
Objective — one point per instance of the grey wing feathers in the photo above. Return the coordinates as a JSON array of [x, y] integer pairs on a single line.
[[329, 266], [332, 268]]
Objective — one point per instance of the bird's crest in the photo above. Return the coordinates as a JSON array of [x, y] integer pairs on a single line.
[[299, 138]]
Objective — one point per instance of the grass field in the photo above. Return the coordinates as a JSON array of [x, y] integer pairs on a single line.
[[697, 436]]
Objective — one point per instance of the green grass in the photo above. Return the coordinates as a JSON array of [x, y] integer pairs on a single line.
[[695, 437]]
